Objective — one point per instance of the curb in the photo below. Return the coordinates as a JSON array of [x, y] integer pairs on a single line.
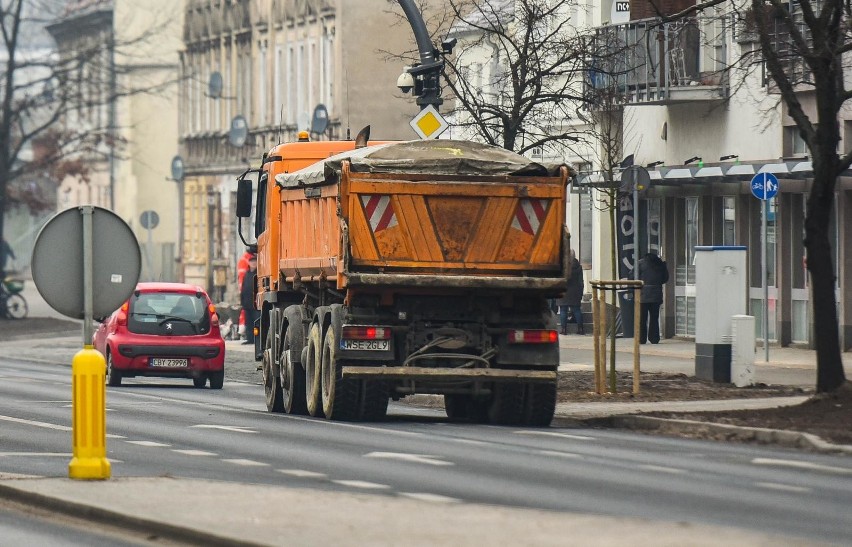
[[793, 439], [119, 520]]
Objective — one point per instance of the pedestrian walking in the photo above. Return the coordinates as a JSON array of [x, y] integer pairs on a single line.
[[570, 302], [242, 268], [247, 299], [654, 272]]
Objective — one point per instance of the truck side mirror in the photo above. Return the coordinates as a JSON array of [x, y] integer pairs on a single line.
[[244, 194]]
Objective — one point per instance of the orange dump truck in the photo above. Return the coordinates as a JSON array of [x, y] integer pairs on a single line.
[[406, 268]]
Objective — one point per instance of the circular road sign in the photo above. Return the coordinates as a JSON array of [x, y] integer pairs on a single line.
[[239, 131], [57, 262], [149, 220], [764, 186], [177, 169]]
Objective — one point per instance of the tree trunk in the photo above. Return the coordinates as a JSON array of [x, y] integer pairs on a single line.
[[830, 375]]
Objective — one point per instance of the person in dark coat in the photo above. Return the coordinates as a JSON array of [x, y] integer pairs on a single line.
[[247, 298], [654, 273], [570, 301]]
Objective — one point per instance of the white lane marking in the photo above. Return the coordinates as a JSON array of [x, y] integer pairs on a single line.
[[413, 458], [194, 452], [569, 455], [470, 441], [802, 465], [4, 476], [362, 484], [661, 469], [37, 424], [553, 434], [152, 444], [303, 474], [246, 463], [111, 436], [36, 454], [235, 428], [434, 498], [784, 487]]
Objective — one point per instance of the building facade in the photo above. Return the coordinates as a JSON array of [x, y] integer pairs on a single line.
[[703, 130], [125, 59], [254, 74]]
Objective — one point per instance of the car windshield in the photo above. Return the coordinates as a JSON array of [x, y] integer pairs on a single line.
[[181, 306], [168, 313]]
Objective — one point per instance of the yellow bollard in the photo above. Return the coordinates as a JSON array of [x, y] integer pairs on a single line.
[[88, 408]]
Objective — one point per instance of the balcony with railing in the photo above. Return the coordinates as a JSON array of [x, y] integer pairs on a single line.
[[651, 62]]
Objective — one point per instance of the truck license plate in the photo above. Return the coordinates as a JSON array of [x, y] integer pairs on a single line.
[[174, 363], [365, 345]]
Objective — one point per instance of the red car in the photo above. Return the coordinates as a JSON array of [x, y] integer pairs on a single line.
[[167, 330]]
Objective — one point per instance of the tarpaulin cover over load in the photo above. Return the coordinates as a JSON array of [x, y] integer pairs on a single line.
[[436, 157]]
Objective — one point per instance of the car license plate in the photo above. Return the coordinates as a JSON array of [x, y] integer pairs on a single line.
[[173, 363], [365, 345]]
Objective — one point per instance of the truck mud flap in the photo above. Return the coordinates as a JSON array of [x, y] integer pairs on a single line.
[[423, 373]]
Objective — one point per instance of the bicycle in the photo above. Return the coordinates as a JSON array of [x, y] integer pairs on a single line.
[[13, 305]]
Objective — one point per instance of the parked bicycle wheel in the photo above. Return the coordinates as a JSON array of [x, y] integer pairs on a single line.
[[15, 307]]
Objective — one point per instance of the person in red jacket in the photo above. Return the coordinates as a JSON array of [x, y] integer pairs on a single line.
[[242, 268]]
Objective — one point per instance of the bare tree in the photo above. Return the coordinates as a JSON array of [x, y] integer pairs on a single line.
[[516, 75], [43, 91], [805, 47]]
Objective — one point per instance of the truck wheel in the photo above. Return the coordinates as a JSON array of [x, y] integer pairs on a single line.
[[339, 396], [374, 400], [313, 375], [271, 378], [464, 408], [507, 404], [292, 381], [540, 404]]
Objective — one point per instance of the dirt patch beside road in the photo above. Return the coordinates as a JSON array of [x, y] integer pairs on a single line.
[[827, 415]]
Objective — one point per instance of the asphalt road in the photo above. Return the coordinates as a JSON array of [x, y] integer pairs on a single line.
[[168, 428]]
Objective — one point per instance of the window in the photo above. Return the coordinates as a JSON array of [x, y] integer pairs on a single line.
[[262, 68], [794, 144], [278, 91]]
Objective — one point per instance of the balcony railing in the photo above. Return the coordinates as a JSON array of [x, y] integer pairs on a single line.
[[650, 62]]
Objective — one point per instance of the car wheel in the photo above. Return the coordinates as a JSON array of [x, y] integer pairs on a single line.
[[113, 376], [339, 395], [271, 378], [217, 379], [292, 380], [16, 307], [199, 381], [507, 405], [313, 375]]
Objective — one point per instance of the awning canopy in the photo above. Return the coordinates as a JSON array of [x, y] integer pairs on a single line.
[[724, 172]]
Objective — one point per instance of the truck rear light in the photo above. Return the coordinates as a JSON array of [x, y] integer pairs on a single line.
[[366, 333], [533, 337]]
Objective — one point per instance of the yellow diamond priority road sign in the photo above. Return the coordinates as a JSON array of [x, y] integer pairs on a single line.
[[429, 124]]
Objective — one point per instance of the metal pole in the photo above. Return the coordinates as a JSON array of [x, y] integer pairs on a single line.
[[765, 270], [149, 246], [596, 333], [635, 231], [637, 296], [88, 305]]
